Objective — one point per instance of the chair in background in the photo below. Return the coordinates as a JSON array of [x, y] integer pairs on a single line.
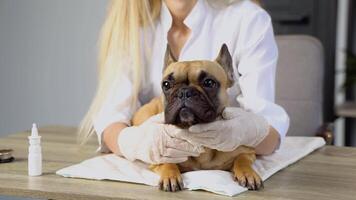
[[299, 85]]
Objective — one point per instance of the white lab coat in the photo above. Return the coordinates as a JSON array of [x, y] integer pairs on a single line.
[[246, 29]]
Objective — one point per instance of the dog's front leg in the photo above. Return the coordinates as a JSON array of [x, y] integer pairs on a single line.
[[243, 172], [171, 179]]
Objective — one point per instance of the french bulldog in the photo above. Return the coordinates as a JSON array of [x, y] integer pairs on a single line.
[[195, 92]]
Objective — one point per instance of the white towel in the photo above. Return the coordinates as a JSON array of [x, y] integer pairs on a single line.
[[112, 167]]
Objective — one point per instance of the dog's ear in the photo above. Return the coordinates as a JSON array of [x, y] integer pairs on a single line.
[[168, 58], [225, 60]]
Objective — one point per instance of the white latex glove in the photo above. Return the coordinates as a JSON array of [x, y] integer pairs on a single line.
[[238, 127], [150, 142]]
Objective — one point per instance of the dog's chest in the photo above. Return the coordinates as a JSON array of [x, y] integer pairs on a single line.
[[209, 160]]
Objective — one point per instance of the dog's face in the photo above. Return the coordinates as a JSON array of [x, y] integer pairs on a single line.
[[196, 91]]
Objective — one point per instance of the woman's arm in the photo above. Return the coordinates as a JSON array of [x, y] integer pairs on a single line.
[[269, 144], [258, 55], [112, 132], [110, 136], [115, 114]]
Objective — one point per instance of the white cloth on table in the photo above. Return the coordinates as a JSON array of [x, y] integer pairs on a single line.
[[112, 167]]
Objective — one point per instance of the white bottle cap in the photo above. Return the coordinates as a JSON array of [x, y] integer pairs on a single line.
[[34, 130]]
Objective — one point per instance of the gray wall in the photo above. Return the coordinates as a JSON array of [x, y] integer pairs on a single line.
[[48, 51]]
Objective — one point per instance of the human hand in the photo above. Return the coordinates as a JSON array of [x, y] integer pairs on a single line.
[[238, 127], [152, 142]]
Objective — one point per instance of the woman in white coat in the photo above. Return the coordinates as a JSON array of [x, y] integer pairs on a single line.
[[132, 46]]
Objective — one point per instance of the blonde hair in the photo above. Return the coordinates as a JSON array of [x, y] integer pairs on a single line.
[[120, 44]]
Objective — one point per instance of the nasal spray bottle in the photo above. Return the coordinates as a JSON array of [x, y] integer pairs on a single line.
[[34, 153]]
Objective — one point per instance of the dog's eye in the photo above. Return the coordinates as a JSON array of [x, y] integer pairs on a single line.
[[210, 83], [166, 85]]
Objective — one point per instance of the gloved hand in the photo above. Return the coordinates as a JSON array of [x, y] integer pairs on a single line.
[[238, 127], [151, 143]]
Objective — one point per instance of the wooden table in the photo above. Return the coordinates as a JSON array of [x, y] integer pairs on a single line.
[[328, 173]]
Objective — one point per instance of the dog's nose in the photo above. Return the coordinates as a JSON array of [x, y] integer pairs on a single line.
[[186, 93]]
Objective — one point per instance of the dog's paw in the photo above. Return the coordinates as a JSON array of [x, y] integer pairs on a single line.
[[247, 177], [171, 179], [171, 183]]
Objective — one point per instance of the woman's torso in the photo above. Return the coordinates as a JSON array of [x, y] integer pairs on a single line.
[[210, 28]]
